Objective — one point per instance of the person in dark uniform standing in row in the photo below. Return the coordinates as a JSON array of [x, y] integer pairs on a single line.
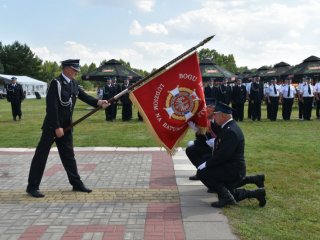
[[317, 97], [224, 92], [248, 88], [15, 96], [60, 101], [224, 170], [256, 96], [272, 95], [287, 94], [109, 91], [117, 87], [211, 91], [238, 98], [307, 96], [126, 102]]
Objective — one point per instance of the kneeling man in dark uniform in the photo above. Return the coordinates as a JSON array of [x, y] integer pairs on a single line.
[[225, 170]]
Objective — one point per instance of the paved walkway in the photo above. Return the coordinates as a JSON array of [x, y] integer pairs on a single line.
[[138, 193]]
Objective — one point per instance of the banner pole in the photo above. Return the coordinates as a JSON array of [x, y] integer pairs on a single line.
[[151, 75]]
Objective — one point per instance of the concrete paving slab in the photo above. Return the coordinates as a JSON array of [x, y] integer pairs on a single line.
[[150, 198]]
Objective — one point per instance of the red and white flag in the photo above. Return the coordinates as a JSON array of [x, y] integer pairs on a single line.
[[168, 101]]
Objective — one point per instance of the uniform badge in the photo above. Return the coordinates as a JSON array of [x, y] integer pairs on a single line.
[[182, 103]]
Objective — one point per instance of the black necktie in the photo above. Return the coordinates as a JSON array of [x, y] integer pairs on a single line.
[[274, 89], [71, 88], [309, 89], [288, 91]]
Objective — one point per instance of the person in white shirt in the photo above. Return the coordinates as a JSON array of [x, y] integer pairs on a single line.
[[273, 99], [287, 94], [307, 93], [317, 97], [300, 99], [266, 86]]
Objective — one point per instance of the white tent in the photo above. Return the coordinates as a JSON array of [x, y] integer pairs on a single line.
[[29, 85]]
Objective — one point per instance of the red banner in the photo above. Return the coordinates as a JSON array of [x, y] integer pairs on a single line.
[[168, 101]]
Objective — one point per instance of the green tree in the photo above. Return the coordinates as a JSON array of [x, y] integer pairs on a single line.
[[226, 61], [18, 59], [50, 70], [87, 85]]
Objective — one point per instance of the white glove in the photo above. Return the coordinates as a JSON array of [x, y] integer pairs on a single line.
[[190, 143], [193, 126], [202, 166], [210, 142]]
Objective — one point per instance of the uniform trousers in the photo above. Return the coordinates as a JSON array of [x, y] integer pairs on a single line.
[[238, 113], [300, 106], [126, 111], [110, 112], [274, 105], [16, 108], [307, 107], [65, 149], [250, 104], [196, 152], [256, 111], [221, 176], [287, 108], [317, 108]]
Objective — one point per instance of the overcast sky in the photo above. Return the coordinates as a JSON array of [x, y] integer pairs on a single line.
[[149, 33]]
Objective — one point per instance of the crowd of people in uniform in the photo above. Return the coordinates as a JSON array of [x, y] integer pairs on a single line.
[[111, 89], [255, 93], [218, 155]]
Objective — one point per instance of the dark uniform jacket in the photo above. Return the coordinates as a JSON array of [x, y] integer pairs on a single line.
[[109, 92], [15, 93], [211, 92], [224, 94], [125, 97], [239, 94], [59, 112], [229, 149], [256, 92]]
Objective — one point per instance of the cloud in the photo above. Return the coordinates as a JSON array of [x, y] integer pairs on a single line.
[[145, 5], [154, 28], [135, 28], [45, 54], [252, 30], [142, 5]]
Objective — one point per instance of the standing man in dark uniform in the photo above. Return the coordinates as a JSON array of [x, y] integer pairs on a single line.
[[224, 92], [300, 99], [117, 88], [317, 97], [15, 95], [307, 93], [287, 94], [109, 91], [238, 98], [126, 102], [256, 96], [273, 94], [60, 101], [225, 170], [211, 91]]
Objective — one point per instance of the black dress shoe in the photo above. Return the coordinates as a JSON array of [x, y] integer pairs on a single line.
[[194, 178], [35, 193], [82, 188], [210, 190]]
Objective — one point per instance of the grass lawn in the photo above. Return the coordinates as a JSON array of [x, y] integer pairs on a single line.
[[286, 152]]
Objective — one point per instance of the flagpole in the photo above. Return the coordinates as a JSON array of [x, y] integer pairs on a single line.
[[151, 75]]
